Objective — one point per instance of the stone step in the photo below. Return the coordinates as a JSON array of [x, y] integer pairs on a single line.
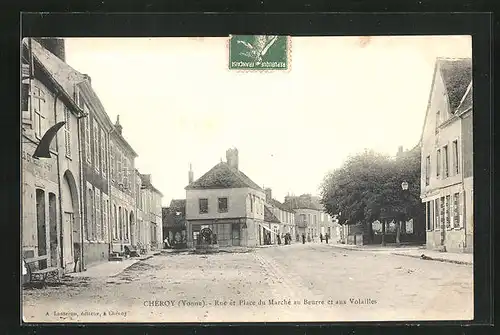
[[116, 258]]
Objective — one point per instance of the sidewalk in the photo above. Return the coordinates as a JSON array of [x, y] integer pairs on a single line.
[[415, 252], [110, 268]]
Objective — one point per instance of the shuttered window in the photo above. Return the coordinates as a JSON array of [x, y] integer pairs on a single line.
[[86, 123], [67, 132], [103, 154], [98, 217], [37, 103]]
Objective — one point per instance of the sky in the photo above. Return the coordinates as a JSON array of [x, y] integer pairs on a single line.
[[179, 104]]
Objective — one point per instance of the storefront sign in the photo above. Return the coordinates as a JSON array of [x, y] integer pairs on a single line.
[[42, 168], [409, 226]]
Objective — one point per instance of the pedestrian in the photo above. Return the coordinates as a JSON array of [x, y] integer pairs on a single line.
[[279, 239], [321, 237], [326, 238], [303, 238], [77, 253]]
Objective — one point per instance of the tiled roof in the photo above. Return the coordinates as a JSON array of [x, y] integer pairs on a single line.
[[456, 74], [281, 206], [466, 101], [178, 205], [223, 176], [269, 216], [64, 74], [303, 202]]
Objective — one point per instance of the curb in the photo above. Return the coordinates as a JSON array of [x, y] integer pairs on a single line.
[[433, 259]]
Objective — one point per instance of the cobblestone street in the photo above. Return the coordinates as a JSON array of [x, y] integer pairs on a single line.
[[328, 284]]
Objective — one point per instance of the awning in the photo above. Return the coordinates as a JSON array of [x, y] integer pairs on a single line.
[[266, 228]]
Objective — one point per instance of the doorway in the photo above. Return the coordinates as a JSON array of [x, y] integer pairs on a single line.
[[53, 229], [236, 234], [40, 223]]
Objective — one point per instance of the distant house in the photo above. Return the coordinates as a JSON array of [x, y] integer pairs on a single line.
[[310, 218], [284, 215], [174, 224], [228, 202], [447, 175]]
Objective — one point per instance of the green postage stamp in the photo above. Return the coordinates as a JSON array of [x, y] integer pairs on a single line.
[[259, 52]]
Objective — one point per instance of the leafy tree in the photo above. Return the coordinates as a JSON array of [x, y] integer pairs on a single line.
[[370, 181]]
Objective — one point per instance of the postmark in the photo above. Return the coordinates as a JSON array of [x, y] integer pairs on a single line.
[[259, 52]]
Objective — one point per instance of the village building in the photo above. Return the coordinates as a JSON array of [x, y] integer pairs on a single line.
[[139, 232], [51, 188], [447, 173], [228, 202], [94, 138], [310, 218], [174, 224], [284, 215], [152, 212], [122, 186]]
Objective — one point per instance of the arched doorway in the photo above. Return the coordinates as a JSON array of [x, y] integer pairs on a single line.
[[133, 240], [70, 234]]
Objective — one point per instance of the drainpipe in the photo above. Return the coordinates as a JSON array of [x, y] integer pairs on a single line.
[[110, 229], [56, 97], [82, 188]]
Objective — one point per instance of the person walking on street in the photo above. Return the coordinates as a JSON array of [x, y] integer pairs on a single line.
[[326, 238], [303, 238], [321, 237]]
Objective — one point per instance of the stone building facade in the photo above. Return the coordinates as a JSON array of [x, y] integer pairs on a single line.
[[80, 204], [51, 210], [228, 202], [123, 189], [447, 178]]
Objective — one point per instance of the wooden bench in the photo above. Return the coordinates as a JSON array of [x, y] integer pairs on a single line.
[[40, 275]]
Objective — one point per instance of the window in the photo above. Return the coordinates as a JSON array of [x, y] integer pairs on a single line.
[[38, 102], [104, 154], [456, 210], [442, 212], [67, 132], [203, 203], [446, 167], [115, 225], [125, 219], [125, 171], [104, 226], [119, 172], [438, 162], [90, 214], [438, 119], [86, 124], [456, 163], [112, 160], [251, 203], [97, 161], [427, 169], [120, 223], [428, 215], [447, 212], [436, 214], [98, 217], [222, 205]]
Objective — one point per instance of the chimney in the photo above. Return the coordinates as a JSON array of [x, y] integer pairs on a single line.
[[190, 173], [54, 45], [87, 77], [269, 194], [232, 158], [118, 126], [400, 151]]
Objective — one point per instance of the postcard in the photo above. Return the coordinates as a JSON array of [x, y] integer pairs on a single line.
[[247, 178]]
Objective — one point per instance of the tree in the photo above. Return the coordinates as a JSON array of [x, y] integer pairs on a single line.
[[369, 182]]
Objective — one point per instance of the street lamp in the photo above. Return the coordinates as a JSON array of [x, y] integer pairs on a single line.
[[404, 185]]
